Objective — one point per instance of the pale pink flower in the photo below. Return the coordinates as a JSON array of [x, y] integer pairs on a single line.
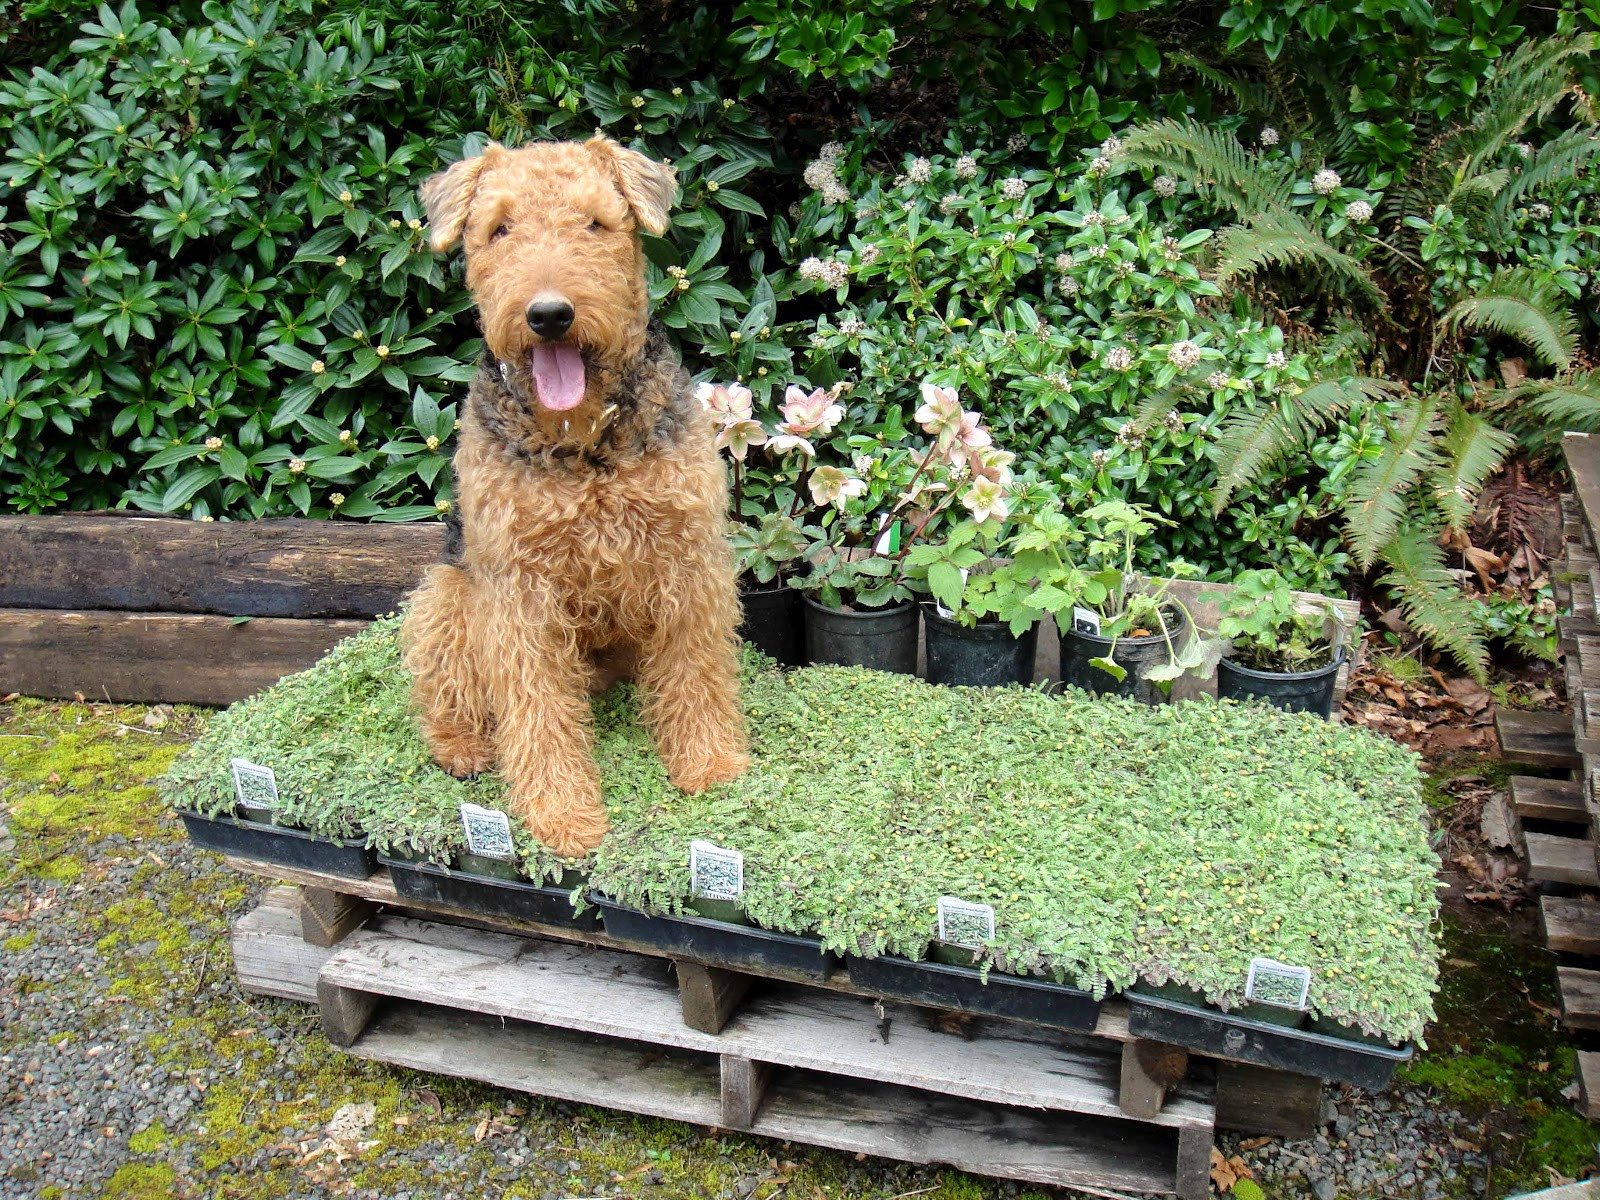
[[994, 464], [919, 491], [787, 443], [727, 402], [986, 499], [816, 413], [969, 436], [736, 437], [830, 485], [940, 413]]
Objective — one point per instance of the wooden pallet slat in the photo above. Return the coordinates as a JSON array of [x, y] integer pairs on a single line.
[[1589, 1084], [1580, 997], [1556, 859], [1535, 799], [183, 659], [1536, 739], [1571, 926], [1582, 453]]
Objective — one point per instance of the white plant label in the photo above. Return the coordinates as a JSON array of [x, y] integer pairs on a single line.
[[488, 832], [255, 786], [715, 872], [1086, 621], [1280, 984], [888, 539], [963, 923]]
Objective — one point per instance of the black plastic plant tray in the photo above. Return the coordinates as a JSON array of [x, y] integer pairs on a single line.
[[348, 858], [1211, 1032], [542, 904], [940, 985], [717, 943]]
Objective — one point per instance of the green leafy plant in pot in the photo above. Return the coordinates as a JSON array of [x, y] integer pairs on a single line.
[[1122, 633], [871, 515], [1281, 649]]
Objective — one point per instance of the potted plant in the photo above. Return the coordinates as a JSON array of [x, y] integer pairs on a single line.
[[982, 629], [1280, 650], [767, 539], [863, 583], [513, 889], [1122, 633]]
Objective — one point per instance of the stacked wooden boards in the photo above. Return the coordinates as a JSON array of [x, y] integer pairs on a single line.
[[135, 608], [1556, 814]]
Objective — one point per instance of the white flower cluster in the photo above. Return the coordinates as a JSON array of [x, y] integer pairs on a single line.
[[1173, 422], [1057, 380], [830, 271], [1118, 358], [852, 326], [1016, 142], [1092, 219], [1069, 286], [1014, 188], [1525, 149], [1358, 212], [1128, 435], [1325, 181], [1099, 459], [869, 254], [1099, 166], [1097, 251], [1165, 185], [1539, 212], [949, 203], [1063, 263], [1276, 360], [823, 174], [1170, 250], [920, 171], [1183, 355], [1217, 380], [966, 167], [1268, 136], [1111, 147]]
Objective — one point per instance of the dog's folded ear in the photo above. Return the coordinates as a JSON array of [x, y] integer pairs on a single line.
[[447, 197], [649, 187]]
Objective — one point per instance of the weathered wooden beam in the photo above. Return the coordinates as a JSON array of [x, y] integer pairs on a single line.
[[1193, 1180], [149, 657], [1148, 1070], [1589, 1084], [345, 1011], [1536, 739], [326, 916], [744, 1085], [1536, 799], [709, 995], [1571, 926], [1580, 997], [270, 568], [1259, 1100], [1556, 859]]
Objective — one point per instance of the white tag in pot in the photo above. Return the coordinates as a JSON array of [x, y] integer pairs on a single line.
[[488, 832], [1085, 621], [963, 923], [1282, 985], [715, 872], [254, 786]]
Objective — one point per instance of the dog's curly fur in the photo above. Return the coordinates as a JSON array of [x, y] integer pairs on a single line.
[[593, 539]]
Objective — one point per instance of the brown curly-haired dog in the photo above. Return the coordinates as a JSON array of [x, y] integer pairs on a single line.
[[591, 499]]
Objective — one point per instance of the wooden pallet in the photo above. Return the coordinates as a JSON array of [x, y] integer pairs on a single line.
[[1536, 739], [605, 1027], [1536, 799]]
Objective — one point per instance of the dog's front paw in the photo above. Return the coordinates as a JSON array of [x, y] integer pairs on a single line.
[[702, 773], [463, 756]]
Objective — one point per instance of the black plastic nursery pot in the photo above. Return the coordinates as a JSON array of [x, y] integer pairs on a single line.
[[1342, 1060], [515, 900], [985, 655], [884, 639], [348, 858], [1131, 654], [716, 943], [1292, 691], [774, 623], [939, 985]]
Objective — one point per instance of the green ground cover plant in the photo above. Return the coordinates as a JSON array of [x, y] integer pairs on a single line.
[[1116, 842]]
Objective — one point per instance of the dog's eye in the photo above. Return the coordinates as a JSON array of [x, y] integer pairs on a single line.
[[595, 227], [500, 231]]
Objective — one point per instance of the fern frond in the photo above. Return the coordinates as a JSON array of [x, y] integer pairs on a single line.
[[1153, 409], [1246, 93], [1527, 86], [1477, 191], [1430, 596], [1252, 441], [1211, 159], [1284, 239], [1471, 450], [1377, 497], [1571, 403], [1523, 303], [1562, 157]]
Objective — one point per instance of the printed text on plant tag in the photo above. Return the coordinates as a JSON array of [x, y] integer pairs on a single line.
[[1086, 621], [962, 923], [715, 873], [1281, 984], [488, 831], [254, 786]]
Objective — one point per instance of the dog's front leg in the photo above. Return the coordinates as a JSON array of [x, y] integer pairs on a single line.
[[539, 681], [449, 686], [689, 675]]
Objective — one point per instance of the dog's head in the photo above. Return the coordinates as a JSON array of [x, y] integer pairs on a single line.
[[553, 256]]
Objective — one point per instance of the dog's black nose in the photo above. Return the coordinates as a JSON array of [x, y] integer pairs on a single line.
[[550, 318]]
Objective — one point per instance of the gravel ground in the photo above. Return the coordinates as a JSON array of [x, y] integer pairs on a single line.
[[131, 1064]]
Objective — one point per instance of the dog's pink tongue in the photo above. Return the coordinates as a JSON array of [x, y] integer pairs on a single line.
[[558, 375]]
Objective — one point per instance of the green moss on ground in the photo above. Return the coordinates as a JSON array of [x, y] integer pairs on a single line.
[[1114, 841]]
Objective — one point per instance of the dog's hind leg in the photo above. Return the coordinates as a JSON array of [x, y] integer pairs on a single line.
[[439, 652], [689, 675], [540, 684]]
